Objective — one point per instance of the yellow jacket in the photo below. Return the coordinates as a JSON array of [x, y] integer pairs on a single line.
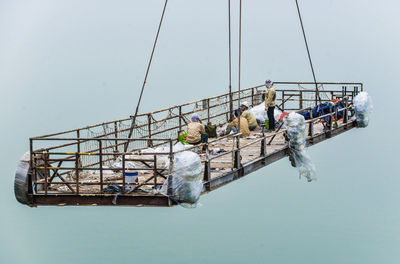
[[244, 126], [270, 97], [250, 118], [194, 131]]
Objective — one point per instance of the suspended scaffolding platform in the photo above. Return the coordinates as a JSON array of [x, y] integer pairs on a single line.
[[75, 167]]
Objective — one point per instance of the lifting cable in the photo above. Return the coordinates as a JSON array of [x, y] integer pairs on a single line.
[[240, 62], [230, 62], [308, 52], [147, 73]]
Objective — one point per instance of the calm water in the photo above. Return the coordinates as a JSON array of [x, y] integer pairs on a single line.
[[67, 64]]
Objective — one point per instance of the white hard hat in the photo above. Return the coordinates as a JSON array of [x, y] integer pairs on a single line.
[[245, 103]]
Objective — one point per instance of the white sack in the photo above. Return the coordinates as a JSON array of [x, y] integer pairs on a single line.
[[296, 132], [363, 107]]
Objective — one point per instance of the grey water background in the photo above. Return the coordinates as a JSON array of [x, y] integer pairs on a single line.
[[66, 64]]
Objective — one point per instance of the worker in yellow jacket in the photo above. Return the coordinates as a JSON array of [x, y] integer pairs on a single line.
[[270, 98], [196, 133], [251, 119], [234, 125]]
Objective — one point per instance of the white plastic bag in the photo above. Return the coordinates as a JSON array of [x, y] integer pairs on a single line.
[[187, 182], [261, 115], [363, 107], [296, 132]]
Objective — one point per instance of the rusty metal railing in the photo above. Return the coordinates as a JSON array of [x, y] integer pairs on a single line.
[[60, 159]]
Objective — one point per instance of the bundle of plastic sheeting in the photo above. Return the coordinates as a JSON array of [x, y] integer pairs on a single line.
[[363, 108], [261, 115], [162, 160], [221, 129], [186, 180], [296, 133]]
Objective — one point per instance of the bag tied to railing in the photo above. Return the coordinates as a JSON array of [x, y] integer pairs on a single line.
[[363, 108], [296, 133]]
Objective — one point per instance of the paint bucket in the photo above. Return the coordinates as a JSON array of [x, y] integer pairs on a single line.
[[266, 124], [131, 176]]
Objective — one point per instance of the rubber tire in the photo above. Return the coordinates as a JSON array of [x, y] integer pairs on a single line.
[[21, 181]]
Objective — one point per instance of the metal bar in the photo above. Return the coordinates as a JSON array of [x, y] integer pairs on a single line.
[[123, 173], [32, 171], [180, 118], [155, 173], [345, 116], [101, 165], [207, 169], [95, 138], [263, 143], [170, 190], [149, 143], [77, 173], [301, 100], [208, 111], [45, 174], [116, 135], [276, 133]]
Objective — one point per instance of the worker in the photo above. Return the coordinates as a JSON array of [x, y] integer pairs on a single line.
[[195, 131], [233, 126], [270, 98], [249, 116]]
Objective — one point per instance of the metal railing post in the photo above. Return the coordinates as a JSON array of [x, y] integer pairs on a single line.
[[32, 170], [208, 110], [330, 121], [207, 170], [263, 143], [77, 173], [236, 162], [252, 96], [123, 173], [45, 159], [180, 118], [149, 143], [116, 136], [345, 114], [155, 172], [170, 190], [101, 164], [301, 100]]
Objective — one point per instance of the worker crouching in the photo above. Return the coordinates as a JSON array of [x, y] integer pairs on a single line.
[[234, 125], [196, 133], [248, 116]]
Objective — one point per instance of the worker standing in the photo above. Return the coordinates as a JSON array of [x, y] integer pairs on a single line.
[[270, 98]]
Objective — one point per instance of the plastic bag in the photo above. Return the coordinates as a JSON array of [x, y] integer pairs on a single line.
[[261, 115], [296, 132], [363, 108], [187, 182], [162, 160]]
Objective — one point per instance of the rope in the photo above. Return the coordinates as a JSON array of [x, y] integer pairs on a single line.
[[147, 72], [308, 51]]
